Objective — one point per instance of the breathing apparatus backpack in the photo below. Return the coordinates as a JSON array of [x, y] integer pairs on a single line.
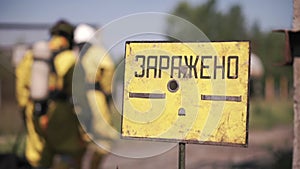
[[40, 72]]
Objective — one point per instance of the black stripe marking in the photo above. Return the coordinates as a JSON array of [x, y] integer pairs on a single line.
[[221, 98], [147, 95]]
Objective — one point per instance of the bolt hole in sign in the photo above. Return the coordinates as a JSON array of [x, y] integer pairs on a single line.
[[191, 92]]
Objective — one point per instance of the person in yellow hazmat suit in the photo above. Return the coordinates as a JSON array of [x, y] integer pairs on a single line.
[[32, 91], [54, 128], [34, 141], [61, 127], [97, 70]]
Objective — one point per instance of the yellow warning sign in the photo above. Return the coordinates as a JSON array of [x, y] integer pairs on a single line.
[[193, 92]]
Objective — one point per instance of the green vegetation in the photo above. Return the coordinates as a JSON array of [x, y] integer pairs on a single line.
[[13, 144], [265, 115], [228, 26]]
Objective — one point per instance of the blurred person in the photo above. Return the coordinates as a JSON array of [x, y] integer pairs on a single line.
[[22, 71], [97, 70], [34, 142], [60, 126], [53, 128], [32, 93]]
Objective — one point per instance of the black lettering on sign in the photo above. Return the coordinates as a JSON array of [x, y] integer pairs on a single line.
[[166, 60], [203, 66], [175, 66], [233, 73], [142, 72], [211, 67], [192, 67], [221, 67], [151, 66]]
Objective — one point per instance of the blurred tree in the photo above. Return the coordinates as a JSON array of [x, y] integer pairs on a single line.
[[216, 25], [221, 26]]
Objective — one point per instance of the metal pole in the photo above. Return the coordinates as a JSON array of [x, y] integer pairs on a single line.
[[296, 149], [0, 94], [181, 158]]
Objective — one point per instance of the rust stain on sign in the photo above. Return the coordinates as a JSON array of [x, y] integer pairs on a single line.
[[195, 92]]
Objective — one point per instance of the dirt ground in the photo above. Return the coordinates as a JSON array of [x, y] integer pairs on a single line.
[[264, 149], [260, 152]]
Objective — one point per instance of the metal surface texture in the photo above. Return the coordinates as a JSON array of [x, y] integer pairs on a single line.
[[190, 92]]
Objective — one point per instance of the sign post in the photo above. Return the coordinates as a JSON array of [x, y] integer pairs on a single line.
[[181, 158], [187, 92]]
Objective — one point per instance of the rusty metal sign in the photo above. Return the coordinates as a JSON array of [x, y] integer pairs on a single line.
[[191, 92]]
